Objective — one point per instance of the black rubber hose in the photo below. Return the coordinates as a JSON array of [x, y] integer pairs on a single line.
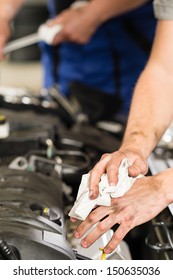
[[6, 251]]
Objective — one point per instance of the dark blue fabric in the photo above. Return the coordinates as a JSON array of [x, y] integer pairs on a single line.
[[94, 63]]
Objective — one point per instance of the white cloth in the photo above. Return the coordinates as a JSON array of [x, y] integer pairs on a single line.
[[83, 204]]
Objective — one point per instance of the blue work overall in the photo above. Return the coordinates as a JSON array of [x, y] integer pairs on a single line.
[[111, 61]]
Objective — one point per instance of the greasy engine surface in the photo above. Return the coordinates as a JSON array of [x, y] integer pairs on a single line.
[[31, 215], [41, 164]]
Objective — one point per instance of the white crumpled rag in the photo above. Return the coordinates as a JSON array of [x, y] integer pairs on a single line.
[[83, 204]]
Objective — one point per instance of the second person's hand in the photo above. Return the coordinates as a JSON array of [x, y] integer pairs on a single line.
[[78, 25], [4, 35]]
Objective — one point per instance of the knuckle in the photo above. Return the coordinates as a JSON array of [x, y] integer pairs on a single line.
[[82, 40], [115, 205], [101, 227], [128, 222], [91, 218], [111, 248], [104, 156], [110, 167], [68, 33], [120, 154], [117, 238], [96, 169]]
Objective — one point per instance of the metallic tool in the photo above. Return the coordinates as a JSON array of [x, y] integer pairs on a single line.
[[45, 33]]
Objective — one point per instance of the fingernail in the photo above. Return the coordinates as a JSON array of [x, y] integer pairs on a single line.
[[112, 184], [76, 234], [91, 193], [107, 251], [84, 243]]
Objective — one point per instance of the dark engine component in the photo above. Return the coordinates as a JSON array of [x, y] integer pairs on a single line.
[[89, 139], [31, 217], [59, 150], [47, 101], [28, 131], [160, 237], [94, 102], [69, 165]]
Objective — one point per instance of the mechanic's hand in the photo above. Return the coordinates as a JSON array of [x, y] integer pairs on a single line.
[[109, 163], [4, 35], [78, 26], [147, 197]]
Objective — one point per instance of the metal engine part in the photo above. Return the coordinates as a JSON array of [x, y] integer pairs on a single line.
[[31, 216]]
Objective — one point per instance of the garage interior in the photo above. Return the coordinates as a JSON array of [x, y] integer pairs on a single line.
[[52, 142]]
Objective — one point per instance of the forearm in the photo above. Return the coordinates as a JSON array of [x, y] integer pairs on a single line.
[[103, 10], [152, 105], [8, 8], [151, 111]]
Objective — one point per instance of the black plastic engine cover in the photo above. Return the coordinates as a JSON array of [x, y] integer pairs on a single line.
[[28, 131], [31, 215], [88, 139]]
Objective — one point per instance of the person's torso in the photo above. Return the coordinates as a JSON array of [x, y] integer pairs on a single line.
[[117, 47]]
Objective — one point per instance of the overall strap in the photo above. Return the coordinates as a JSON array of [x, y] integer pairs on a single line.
[[137, 36]]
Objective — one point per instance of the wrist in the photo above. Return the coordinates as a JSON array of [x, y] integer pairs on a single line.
[[139, 141], [4, 31], [134, 147], [95, 14]]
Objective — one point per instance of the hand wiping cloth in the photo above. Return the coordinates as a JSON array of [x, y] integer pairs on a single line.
[[83, 204]]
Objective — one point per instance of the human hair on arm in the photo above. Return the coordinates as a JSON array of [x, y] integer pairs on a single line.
[[150, 114], [152, 104]]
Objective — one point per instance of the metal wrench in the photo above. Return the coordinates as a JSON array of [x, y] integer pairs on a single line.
[[45, 33]]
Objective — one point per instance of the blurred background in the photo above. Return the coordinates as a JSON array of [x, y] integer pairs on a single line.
[[22, 68]]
